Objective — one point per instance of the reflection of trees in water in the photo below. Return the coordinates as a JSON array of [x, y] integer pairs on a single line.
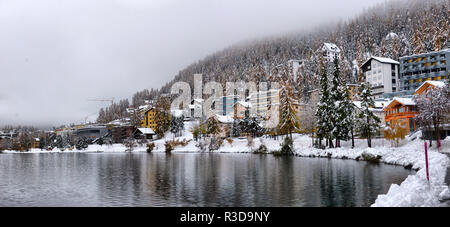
[[194, 180], [338, 183], [120, 178]]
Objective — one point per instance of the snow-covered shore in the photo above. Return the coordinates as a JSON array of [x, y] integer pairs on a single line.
[[414, 191]]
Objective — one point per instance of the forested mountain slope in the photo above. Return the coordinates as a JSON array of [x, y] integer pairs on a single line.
[[393, 29]]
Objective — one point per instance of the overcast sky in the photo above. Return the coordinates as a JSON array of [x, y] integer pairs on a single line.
[[56, 54]]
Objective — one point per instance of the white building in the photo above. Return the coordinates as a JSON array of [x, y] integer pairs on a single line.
[[382, 74], [330, 50]]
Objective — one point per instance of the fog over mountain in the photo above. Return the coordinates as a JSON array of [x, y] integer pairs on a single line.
[[57, 54]]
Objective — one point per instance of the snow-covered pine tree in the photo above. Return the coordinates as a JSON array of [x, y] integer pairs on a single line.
[[347, 117], [342, 105], [236, 129], [368, 123], [323, 113]]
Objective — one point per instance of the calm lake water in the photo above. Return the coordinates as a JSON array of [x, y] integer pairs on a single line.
[[101, 179]]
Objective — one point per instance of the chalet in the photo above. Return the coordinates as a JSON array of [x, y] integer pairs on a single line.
[[428, 85], [330, 50], [146, 133], [225, 125], [401, 111]]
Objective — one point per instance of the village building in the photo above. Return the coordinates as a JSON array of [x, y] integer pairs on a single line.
[[382, 74], [415, 69], [225, 125], [121, 133], [241, 110], [262, 101], [330, 51], [144, 133], [149, 119], [196, 105], [92, 132], [401, 112], [225, 104]]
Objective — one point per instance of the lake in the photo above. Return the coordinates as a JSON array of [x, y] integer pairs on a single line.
[[185, 179]]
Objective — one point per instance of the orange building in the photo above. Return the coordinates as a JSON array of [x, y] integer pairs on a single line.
[[401, 111], [427, 85]]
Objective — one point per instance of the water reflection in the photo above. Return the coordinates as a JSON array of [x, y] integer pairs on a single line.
[[100, 179]]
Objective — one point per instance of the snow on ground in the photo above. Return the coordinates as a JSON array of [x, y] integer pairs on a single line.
[[415, 190]]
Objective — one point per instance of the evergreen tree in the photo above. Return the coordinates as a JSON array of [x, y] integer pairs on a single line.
[[338, 111], [323, 113], [368, 123], [237, 129], [347, 118]]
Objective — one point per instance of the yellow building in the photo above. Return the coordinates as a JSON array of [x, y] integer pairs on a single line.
[[149, 119]]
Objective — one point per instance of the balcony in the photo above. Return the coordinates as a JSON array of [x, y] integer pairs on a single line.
[[396, 115]]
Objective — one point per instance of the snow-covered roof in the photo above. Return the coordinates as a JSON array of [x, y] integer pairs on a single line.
[[224, 119], [403, 101], [146, 131], [332, 47], [382, 60], [432, 82], [144, 107], [386, 60], [122, 121]]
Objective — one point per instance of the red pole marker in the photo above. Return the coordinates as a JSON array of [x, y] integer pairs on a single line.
[[438, 144], [426, 161]]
